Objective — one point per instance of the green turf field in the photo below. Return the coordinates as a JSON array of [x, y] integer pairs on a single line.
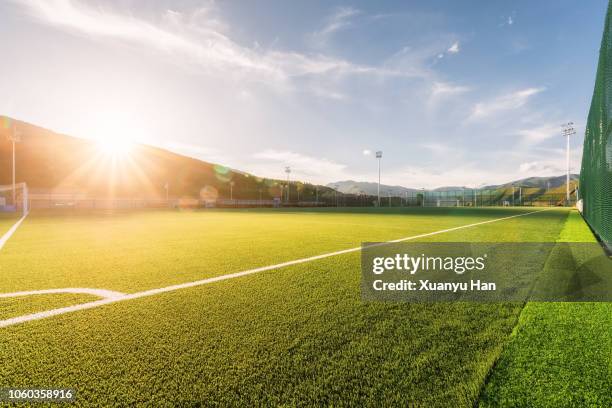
[[6, 221], [298, 335]]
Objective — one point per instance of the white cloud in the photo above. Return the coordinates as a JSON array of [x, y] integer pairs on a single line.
[[540, 133], [508, 21], [302, 166], [503, 103], [454, 49], [439, 89], [415, 61], [552, 162], [338, 20], [200, 38], [367, 152], [539, 168], [468, 175]]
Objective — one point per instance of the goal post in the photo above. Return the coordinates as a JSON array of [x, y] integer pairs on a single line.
[[14, 199]]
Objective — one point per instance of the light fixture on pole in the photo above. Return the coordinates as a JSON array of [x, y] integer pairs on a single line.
[[288, 171], [14, 137], [379, 157], [568, 130]]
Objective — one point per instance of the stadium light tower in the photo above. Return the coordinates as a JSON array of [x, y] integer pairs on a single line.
[[336, 186], [568, 130], [379, 157], [14, 137], [231, 190], [288, 171]]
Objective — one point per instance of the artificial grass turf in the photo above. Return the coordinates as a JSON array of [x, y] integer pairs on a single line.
[[19, 306], [130, 252], [7, 220], [560, 354], [300, 335]]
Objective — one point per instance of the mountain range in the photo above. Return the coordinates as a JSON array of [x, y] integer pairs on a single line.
[[364, 187]]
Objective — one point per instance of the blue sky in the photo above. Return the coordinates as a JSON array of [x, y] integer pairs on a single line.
[[453, 92]]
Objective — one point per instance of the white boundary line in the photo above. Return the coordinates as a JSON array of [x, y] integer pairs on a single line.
[[8, 234], [103, 293], [151, 292]]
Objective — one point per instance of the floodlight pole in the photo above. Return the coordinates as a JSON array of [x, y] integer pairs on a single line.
[[379, 157], [336, 186], [231, 190], [288, 171], [568, 130], [14, 138], [14, 188]]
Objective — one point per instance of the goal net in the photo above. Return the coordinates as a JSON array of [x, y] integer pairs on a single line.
[[14, 199]]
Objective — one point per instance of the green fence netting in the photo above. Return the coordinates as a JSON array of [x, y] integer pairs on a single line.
[[596, 171]]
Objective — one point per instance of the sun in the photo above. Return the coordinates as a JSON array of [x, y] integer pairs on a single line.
[[115, 133], [116, 146]]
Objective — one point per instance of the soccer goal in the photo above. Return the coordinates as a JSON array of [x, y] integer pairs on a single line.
[[443, 203], [14, 199]]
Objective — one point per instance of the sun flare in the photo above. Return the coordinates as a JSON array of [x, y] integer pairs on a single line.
[[115, 146]]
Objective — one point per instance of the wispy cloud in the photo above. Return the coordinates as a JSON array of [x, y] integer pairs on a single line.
[[539, 134], [553, 164], [503, 103], [454, 49], [509, 20], [302, 165], [440, 89], [415, 61], [431, 177], [338, 20], [200, 38]]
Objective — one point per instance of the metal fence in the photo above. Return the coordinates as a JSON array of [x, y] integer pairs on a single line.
[[459, 198]]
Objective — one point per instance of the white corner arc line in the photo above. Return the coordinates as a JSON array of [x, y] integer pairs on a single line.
[[8, 234], [151, 292], [103, 293]]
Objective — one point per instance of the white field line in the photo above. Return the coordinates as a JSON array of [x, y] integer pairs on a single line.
[[8, 234], [151, 292], [103, 293]]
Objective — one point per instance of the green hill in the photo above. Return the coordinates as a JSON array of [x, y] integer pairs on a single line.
[[50, 160]]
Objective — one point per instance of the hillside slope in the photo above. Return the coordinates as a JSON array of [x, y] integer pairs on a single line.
[[49, 160]]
